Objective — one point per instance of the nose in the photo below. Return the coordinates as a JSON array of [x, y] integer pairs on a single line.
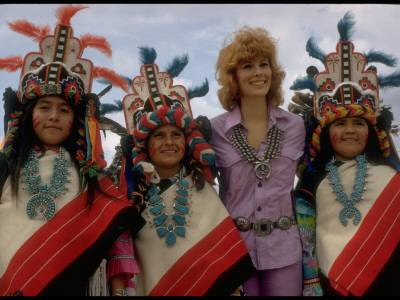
[[349, 128], [53, 115], [169, 140]]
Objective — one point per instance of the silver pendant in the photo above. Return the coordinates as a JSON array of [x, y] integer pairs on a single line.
[[262, 170], [42, 204]]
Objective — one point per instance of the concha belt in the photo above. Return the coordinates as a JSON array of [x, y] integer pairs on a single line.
[[264, 226]]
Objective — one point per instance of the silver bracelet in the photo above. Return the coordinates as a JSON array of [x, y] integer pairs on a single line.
[[118, 292]]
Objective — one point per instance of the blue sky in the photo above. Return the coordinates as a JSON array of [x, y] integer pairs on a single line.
[[199, 30]]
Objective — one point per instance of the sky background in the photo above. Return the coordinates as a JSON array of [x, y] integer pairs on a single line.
[[199, 31]]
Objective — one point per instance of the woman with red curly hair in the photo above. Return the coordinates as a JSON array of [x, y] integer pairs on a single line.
[[258, 146]]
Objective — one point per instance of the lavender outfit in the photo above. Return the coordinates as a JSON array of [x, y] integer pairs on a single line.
[[245, 197]]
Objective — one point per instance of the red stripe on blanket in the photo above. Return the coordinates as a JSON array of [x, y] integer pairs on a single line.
[[195, 272], [60, 241], [368, 251]]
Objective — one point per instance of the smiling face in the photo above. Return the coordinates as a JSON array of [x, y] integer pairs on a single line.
[[348, 137], [166, 145], [52, 119], [254, 77]]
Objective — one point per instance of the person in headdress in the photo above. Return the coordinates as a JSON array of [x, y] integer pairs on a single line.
[[60, 217], [347, 198], [189, 245], [258, 146]]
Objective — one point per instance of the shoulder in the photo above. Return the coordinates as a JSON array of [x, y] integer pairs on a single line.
[[288, 121], [220, 119]]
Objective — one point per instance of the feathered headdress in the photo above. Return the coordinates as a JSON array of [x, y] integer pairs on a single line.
[[345, 88], [155, 101], [59, 69]]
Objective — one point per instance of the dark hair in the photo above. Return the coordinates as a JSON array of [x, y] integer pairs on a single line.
[[372, 149]]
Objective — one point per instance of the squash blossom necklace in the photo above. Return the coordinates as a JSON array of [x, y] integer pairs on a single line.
[[169, 227], [273, 148], [42, 201], [349, 210]]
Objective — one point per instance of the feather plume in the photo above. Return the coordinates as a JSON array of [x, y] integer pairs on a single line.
[[198, 91], [105, 81], [98, 42], [380, 57], [345, 26], [176, 66], [36, 33], [147, 55], [314, 51], [66, 12], [302, 83], [11, 63], [388, 81], [109, 108], [112, 77]]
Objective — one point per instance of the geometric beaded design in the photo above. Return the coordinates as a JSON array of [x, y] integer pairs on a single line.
[[349, 210], [42, 201], [176, 223]]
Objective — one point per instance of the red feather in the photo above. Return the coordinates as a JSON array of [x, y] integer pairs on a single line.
[[66, 12], [11, 63], [98, 42], [30, 30], [112, 77]]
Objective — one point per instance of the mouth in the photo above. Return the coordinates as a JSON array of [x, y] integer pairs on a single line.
[[169, 151], [349, 140], [257, 83]]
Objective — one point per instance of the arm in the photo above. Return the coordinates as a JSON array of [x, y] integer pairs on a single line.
[[121, 265], [305, 216]]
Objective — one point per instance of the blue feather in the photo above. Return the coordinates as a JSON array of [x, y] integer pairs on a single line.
[[176, 66], [388, 81], [345, 26], [107, 108], [198, 91], [314, 51], [381, 57], [303, 83], [147, 55]]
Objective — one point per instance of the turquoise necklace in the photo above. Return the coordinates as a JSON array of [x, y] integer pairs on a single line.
[[170, 226], [349, 210], [42, 201]]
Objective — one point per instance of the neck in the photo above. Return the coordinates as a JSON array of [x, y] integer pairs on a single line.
[[254, 109], [167, 172]]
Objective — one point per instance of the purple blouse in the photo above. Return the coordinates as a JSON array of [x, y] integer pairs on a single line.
[[272, 199]]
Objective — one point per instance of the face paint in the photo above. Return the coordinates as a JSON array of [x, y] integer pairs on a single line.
[[36, 122]]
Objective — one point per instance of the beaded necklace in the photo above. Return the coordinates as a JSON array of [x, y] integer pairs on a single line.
[[43, 197], [177, 220], [349, 210], [273, 148]]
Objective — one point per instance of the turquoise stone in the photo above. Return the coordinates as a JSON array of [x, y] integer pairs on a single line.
[[181, 209], [181, 200], [155, 199], [160, 219], [179, 219], [171, 238], [162, 231], [180, 231], [156, 209]]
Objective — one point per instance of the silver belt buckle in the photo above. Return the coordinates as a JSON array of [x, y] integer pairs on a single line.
[[242, 223], [257, 227]]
